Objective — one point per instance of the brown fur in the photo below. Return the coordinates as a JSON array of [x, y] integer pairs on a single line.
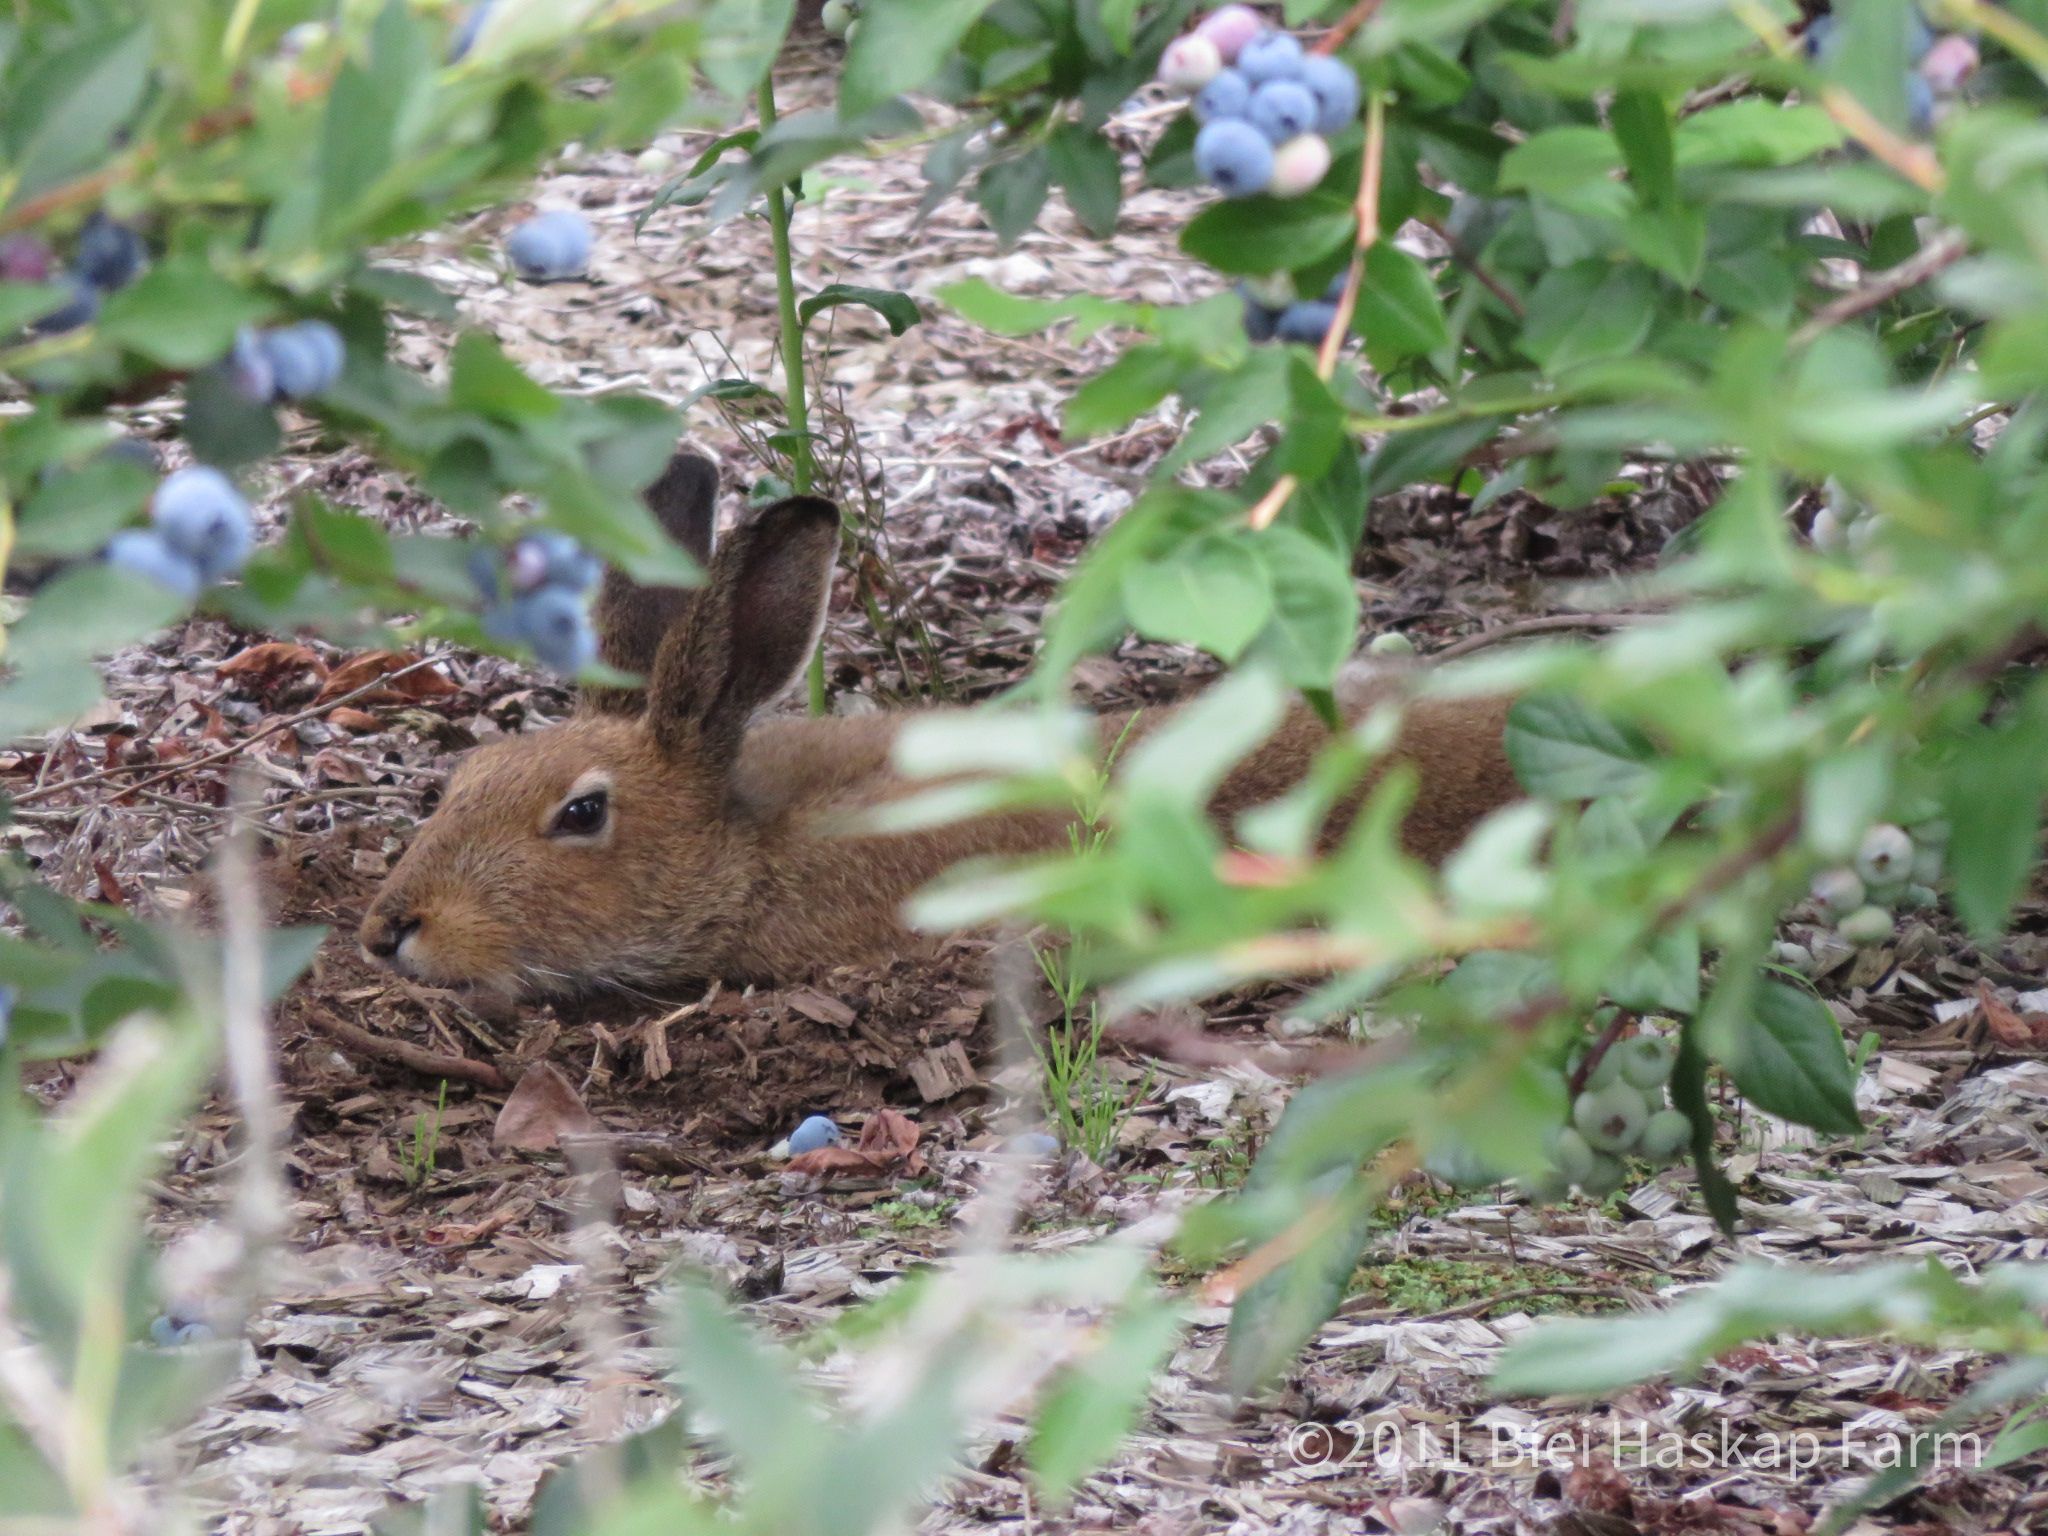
[[720, 857]]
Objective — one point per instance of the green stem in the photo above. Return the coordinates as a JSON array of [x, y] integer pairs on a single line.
[[801, 470]]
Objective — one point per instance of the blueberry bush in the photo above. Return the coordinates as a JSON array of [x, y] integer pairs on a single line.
[[1551, 249]]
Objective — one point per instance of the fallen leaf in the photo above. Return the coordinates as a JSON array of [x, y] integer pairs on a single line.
[[357, 671], [2008, 1026], [887, 1142], [264, 666], [353, 719], [541, 1109]]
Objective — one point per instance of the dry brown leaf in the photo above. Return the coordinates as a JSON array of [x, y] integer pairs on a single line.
[[542, 1109], [2008, 1026], [888, 1143], [357, 720], [265, 665], [415, 687]]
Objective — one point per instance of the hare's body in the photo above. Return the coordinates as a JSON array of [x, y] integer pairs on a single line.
[[641, 847]]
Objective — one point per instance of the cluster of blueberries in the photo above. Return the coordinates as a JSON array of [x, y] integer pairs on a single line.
[[841, 18], [1289, 319], [550, 247], [540, 595], [1264, 104], [1894, 870], [289, 362], [1940, 64], [200, 532], [108, 256], [1621, 1111]]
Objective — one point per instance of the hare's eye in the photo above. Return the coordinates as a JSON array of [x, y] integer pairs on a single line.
[[581, 816]]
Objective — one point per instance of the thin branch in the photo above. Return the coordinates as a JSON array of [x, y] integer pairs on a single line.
[[1367, 208], [1546, 624], [1939, 253], [1473, 265], [1347, 24], [416, 1057], [233, 749]]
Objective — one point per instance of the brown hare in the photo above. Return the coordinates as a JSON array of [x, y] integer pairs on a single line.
[[665, 838]]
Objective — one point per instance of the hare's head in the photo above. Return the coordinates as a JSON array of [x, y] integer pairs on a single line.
[[609, 848]]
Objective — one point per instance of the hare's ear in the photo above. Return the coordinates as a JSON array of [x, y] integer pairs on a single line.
[[631, 619], [750, 631]]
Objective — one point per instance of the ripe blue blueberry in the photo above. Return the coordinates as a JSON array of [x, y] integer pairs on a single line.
[[1307, 321], [1037, 1146], [549, 247], [466, 34], [7, 996], [1234, 157], [82, 308], [1228, 95], [204, 518], [1270, 56], [249, 369], [109, 255], [553, 622], [817, 1131], [305, 358], [167, 1331], [1335, 88], [1282, 109], [1259, 319], [548, 558], [143, 552]]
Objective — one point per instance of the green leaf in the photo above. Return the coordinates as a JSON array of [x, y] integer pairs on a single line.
[[1279, 1312], [65, 107], [898, 309], [1992, 795], [1845, 792], [1093, 1402], [1562, 749], [1643, 126], [1255, 235], [1085, 167], [1010, 193], [1314, 605], [1124, 391], [366, 107], [1398, 313], [224, 426], [741, 40], [1213, 592], [483, 379], [1784, 1051], [1586, 312], [181, 313], [901, 45]]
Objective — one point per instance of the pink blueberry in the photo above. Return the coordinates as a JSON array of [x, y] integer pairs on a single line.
[[1299, 165], [1190, 62], [1230, 28]]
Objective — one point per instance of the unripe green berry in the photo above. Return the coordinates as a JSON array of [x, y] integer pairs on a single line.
[[1610, 1118], [1886, 857], [1794, 957], [1920, 898], [1928, 862], [1667, 1133], [1645, 1061], [1839, 891], [1572, 1155], [1604, 1178], [1392, 643], [1865, 927]]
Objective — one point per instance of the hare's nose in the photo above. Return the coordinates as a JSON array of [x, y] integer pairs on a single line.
[[383, 932]]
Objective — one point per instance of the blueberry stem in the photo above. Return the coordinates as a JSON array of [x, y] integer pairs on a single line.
[[801, 472]]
